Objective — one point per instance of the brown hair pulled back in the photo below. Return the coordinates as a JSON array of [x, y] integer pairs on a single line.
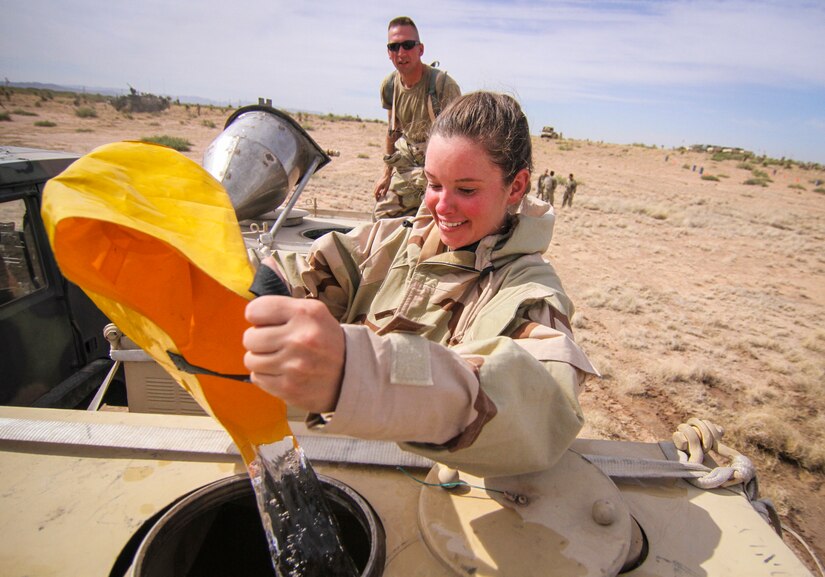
[[497, 123]]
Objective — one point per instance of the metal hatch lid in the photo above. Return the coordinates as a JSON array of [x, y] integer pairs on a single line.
[[325, 159], [260, 156], [570, 520]]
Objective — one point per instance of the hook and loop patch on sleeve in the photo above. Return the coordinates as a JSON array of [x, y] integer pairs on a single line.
[[411, 364]]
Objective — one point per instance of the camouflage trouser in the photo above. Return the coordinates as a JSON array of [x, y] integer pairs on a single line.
[[540, 191], [550, 194], [407, 185]]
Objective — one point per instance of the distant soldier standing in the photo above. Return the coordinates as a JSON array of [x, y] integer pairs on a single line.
[[550, 187], [540, 186], [414, 94], [569, 191]]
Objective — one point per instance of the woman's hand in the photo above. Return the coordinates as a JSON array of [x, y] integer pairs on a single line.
[[295, 351]]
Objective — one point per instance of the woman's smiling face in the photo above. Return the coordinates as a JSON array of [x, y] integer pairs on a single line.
[[466, 193]]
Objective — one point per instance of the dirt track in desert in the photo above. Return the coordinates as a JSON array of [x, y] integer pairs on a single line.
[[695, 296]]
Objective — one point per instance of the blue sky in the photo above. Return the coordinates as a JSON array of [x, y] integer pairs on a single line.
[[728, 72]]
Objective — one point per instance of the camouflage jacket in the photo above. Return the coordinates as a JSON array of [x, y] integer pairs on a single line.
[[465, 357]]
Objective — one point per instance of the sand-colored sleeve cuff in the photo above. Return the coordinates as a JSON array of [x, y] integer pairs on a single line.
[[390, 391]]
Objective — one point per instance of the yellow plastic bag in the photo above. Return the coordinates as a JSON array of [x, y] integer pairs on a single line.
[[153, 240]]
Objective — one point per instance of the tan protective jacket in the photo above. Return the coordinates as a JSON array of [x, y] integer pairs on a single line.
[[465, 357]]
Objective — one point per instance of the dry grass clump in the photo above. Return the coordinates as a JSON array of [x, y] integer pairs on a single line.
[[673, 371], [85, 112], [612, 205], [809, 380], [625, 299], [761, 393], [636, 338], [174, 142], [815, 342], [633, 385], [776, 434], [695, 217], [655, 212], [675, 343], [756, 182], [579, 321], [688, 389]]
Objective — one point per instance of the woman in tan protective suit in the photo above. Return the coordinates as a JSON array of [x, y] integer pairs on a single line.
[[448, 332]]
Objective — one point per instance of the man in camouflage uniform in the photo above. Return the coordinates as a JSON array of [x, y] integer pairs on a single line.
[[413, 95], [569, 191], [550, 187], [540, 185]]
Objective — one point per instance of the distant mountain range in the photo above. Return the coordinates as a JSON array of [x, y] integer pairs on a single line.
[[107, 91]]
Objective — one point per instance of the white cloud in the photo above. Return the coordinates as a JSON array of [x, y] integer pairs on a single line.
[[330, 56]]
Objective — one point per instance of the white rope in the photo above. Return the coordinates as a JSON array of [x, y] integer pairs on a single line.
[[695, 438]]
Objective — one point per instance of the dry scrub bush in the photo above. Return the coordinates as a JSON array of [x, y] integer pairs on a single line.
[[760, 393], [675, 343], [612, 205], [674, 371], [618, 298], [174, 142], [765, 343], [688, 387], [701, 215], [637, 338], [809, 380], [815, 342], [691, 399], [779, 366], [579, 321], [633, 385], [775, 434], [85, 112]]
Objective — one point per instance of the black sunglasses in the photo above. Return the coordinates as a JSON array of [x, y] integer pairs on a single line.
[[406, 45]]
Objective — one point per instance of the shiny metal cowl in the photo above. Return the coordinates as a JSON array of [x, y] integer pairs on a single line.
[[259, 157]]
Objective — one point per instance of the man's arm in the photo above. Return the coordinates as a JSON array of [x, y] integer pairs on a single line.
[[382, 185]]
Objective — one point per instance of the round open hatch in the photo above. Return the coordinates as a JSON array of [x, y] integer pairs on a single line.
[[217, 531]]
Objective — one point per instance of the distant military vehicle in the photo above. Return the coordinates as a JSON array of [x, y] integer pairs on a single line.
[[549, 132]]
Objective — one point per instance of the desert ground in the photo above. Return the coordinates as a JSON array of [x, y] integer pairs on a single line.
[[696, 294]]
